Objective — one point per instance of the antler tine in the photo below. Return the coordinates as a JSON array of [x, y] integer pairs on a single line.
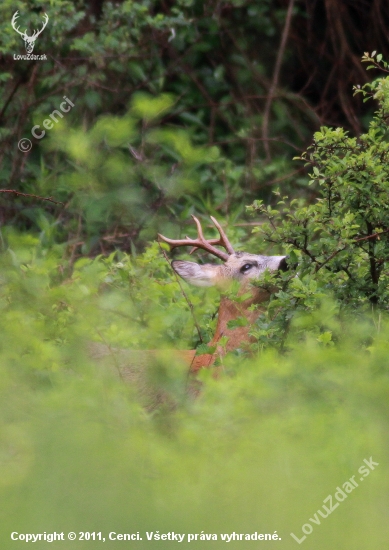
[[44, 24], [13, 23], [222, 240], [200, 242], [223, 237], [200, 231], [37, 32]]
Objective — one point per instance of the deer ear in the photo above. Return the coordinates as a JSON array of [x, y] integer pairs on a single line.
[[196, 274]]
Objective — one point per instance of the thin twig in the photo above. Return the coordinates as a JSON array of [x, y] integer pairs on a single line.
[[76, 243], [374, 235], [32, 196], [289, 175], [322, 264], [253, 139], [276, 75], [8, 101], [112, 353], [183, 293]]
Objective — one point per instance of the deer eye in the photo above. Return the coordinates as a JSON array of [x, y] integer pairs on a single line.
[[246, 268]]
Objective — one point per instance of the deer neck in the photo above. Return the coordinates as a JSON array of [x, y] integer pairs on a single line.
[[230, 310]]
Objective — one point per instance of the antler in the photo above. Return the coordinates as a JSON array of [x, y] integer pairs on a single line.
[[203, 243], [13, 23], [24, 34], [37, 33]]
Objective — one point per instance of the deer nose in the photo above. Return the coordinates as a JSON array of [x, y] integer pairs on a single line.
[[283, 265]]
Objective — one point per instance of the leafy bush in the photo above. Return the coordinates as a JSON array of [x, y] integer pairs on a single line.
[[340, 243], [151, 113]]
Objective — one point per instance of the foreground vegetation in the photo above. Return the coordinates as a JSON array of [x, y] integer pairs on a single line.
[[291, 418], [259, 450]]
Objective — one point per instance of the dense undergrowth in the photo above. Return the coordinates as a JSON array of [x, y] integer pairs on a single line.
[[288, 420], [258, 450]]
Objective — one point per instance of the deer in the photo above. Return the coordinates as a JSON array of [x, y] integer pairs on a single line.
[[29, 41], [242, 267]]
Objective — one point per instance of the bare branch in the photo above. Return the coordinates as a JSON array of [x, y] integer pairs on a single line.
[[49, 199], [190, 305], [276, 74]]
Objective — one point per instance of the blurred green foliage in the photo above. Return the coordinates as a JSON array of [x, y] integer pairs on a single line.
[[340, 243], [258, 450], [156, 132], [168, 121], [160, 89]]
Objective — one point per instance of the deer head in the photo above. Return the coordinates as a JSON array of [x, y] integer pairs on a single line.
[[29, 41], [241, 266]]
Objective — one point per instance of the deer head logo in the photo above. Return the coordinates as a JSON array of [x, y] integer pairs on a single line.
[[29, 41]]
